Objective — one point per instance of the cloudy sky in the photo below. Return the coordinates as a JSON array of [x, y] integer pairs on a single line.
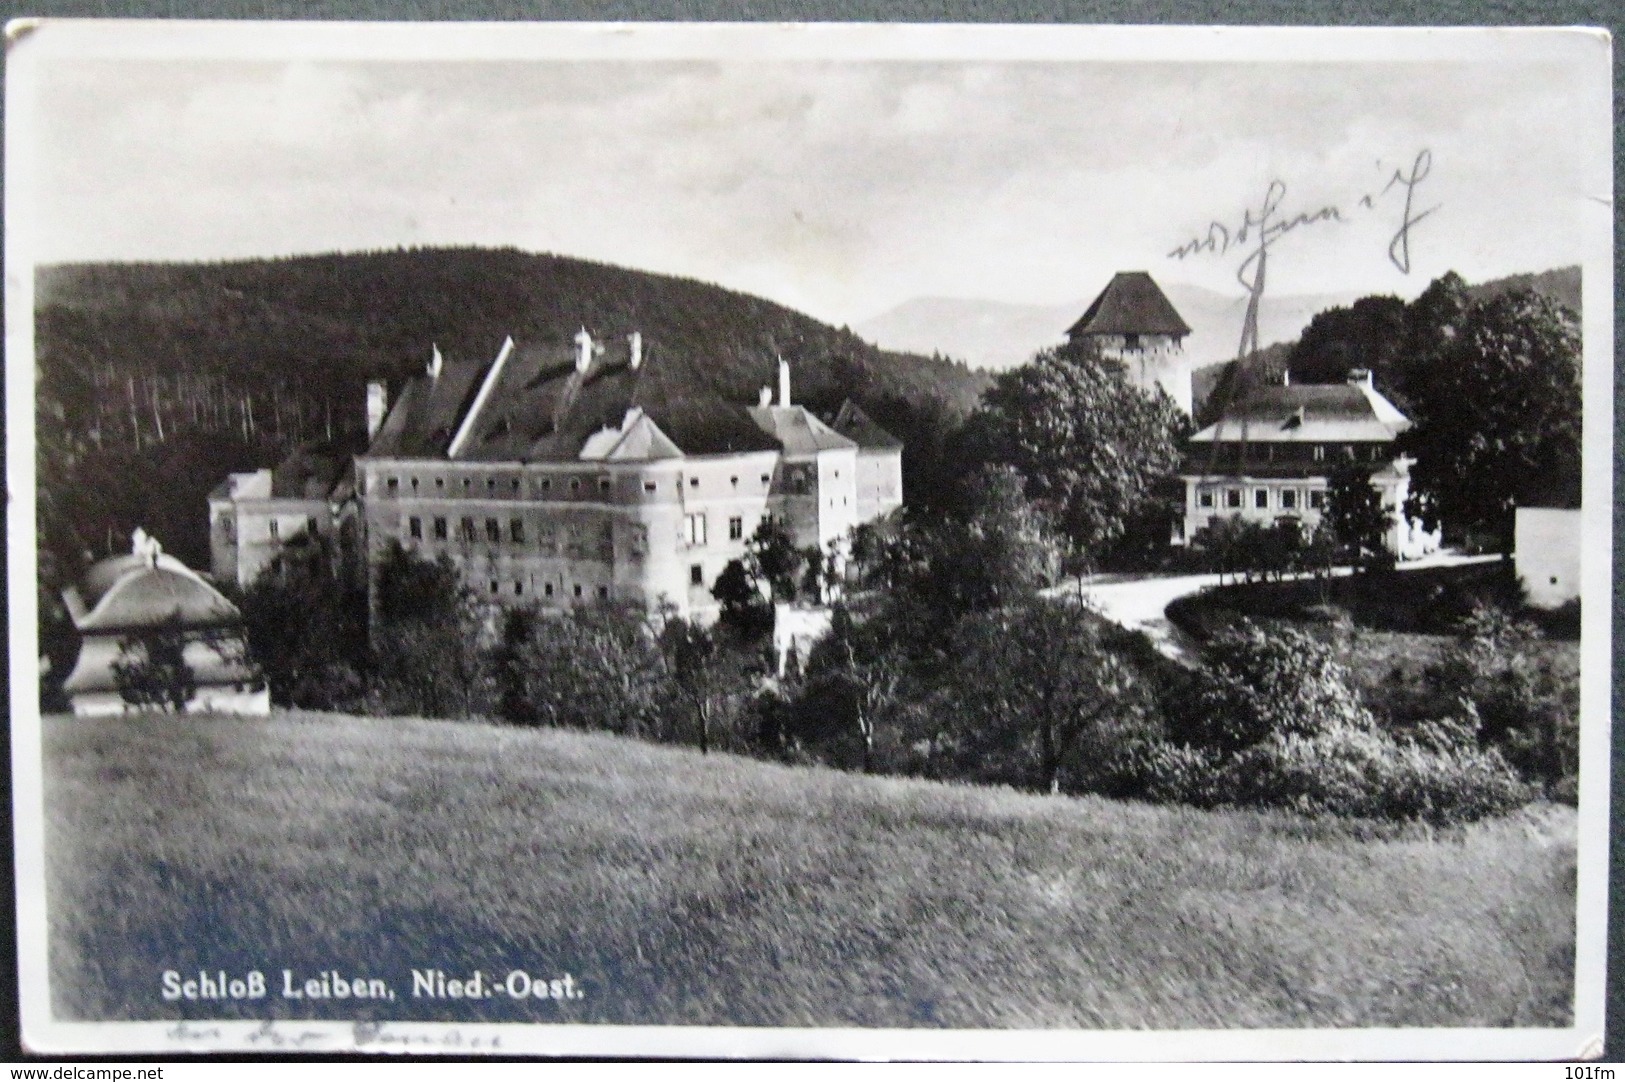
[[840, 188]]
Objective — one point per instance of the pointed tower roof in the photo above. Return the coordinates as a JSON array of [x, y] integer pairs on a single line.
[[1131, 303]]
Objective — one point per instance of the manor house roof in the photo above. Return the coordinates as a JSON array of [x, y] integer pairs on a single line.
[[1353, 412], [143, 589]]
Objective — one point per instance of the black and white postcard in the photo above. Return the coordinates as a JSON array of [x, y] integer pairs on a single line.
[[848, 541]]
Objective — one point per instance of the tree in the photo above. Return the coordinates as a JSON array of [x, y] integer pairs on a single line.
[[1036, 688], [744, 608], [1089, 445], [151, 668], [709, 670], [1355, 515], [1500, 415], [598, 667], [1001, 551], [305, 623], [860, 673], [429, 643], [772, 561], [1368, 334]]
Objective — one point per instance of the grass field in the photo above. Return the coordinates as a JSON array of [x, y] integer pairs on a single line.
[[675, 888]]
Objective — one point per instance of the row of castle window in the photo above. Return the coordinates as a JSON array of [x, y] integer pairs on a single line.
[[1289, 499], [694, 530], [1267, 451], [696, 577], [544, 485]]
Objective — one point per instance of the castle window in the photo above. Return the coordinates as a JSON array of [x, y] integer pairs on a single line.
[[578, 589], [603, 593], [467, 528], [274, 528], [766, 477], [1261, 498], [516, 531], [1204, 498], [1232, 497], [575, 484], [490, 484], [603, 484], [648, 486], [696, 574], [514, 486], [1317, 499], [693, 482], [494, 586], [734, 481], [547, 484], [1320, 452], [493, 530], [1289, 499], [440, 482], [414, 486], [518, 589], [468, 483], [439, 529], [393, 486], [547, 589], [736, 528], [415, 529], [694, 529]]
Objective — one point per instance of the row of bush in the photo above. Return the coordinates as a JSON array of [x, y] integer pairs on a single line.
[[959, 668]]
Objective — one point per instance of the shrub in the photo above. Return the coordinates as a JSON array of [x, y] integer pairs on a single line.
[[1255, 684], [1343, 771]]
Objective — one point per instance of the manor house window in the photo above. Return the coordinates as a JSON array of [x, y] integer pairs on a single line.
[[1232, 498], [493, 530], [1204, 498], [736, 528], [439, 529], [1261, 498], [694, 529], [415, 528]]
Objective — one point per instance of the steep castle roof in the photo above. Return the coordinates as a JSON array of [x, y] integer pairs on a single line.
[[858, 427], [539, 402], [1131, 303]]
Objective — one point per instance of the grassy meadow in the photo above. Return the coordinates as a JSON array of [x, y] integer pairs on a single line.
[[676, 888]]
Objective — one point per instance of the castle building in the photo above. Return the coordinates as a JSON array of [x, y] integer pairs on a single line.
[[1270, 456], [564, 475], [253, 515], [1133, 322]]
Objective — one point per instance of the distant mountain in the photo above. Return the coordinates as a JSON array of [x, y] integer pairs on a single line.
[[1561, 285], [158, 379], [994, 335]]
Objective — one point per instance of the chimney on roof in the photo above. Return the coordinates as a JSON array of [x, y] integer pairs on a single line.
[[377, 406], [583, 351], [784, 382], [1361, 377], [436, 363], [635, 342]]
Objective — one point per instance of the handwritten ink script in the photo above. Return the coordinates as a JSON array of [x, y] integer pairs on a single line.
[[1263, 225]]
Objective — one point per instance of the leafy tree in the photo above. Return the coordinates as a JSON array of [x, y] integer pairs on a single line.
[[1368, 334], [772, 560], [859, 673], [1089, 445], [1037, 690], [744, 609], [1500, 415], [598, 667], [710, 671], [1001, 551], [305, 623], [151, 668], [429, 651], [1355, 515]]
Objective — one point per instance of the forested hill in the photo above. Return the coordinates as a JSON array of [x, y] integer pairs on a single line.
[[157, 379]]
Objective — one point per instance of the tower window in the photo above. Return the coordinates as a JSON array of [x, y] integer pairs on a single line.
[[696, 575]]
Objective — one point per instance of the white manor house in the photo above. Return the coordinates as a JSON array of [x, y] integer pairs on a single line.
[[563, 476]]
